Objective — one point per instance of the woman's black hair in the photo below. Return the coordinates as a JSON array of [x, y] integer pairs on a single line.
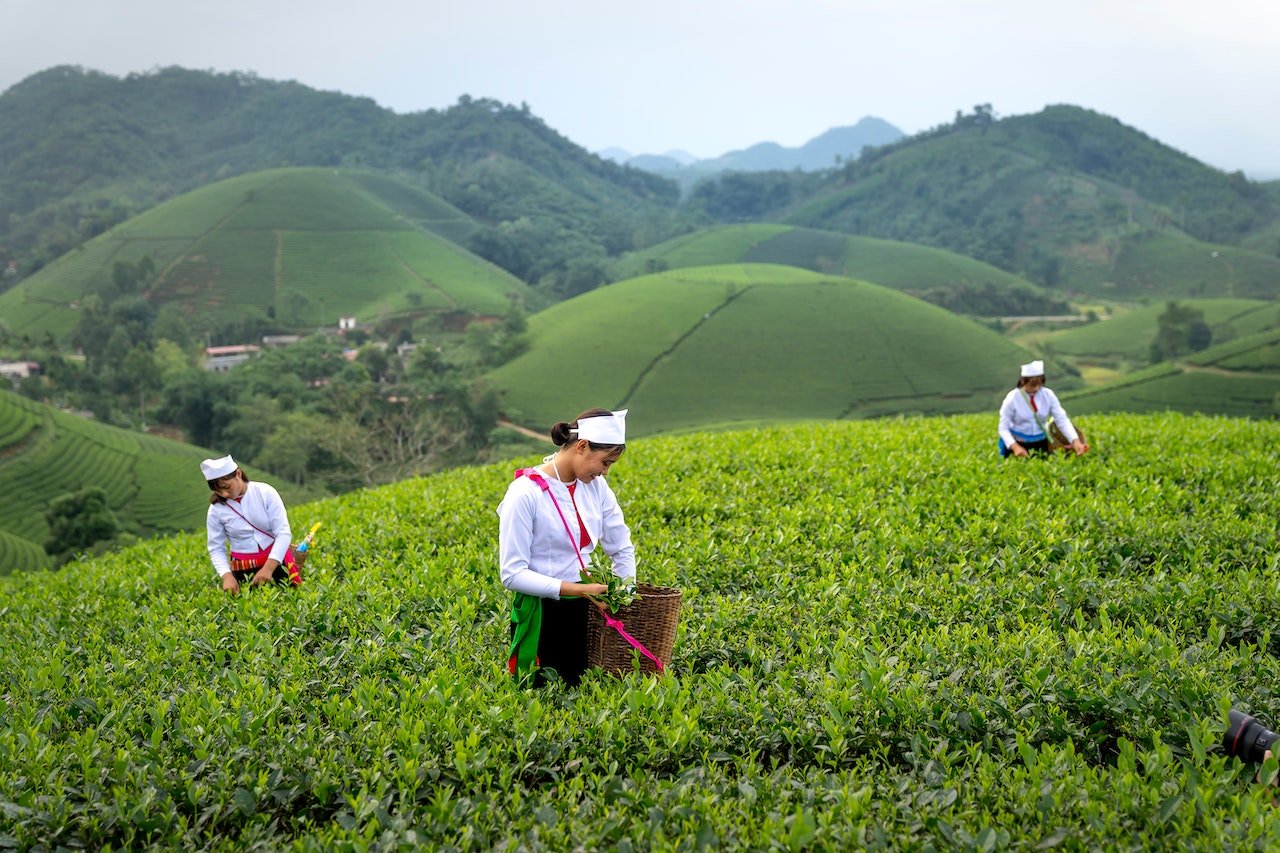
[[561, 433], [216, 498], [1022, 380]]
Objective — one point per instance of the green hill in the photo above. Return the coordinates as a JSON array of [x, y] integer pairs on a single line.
[[1240, 378], [81, 151], [888, 640], [953, 281], [1129, 335], [751, 343], [1068, 197], [152, 484], [301, 246]]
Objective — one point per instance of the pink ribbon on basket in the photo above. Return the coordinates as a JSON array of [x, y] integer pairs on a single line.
[[615, 624]]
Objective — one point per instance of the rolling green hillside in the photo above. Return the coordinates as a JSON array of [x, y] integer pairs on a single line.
[[888, 640], [1068, 197], [81, 151], [1129, 335], [922, 271], [152, 484], [303, 246], [751, 343], [1240, 378]]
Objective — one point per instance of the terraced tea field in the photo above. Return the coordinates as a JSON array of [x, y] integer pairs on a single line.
[[303, 245], [752, 343], [152, 484], [889, 639]]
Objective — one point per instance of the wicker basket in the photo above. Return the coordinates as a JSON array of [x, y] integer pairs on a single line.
[[651, 619], [1058, 441]]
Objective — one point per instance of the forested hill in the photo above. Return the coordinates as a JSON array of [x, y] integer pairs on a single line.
[[82, 150], [1064, 196]]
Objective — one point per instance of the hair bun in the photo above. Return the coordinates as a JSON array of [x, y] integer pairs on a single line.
[[560, 434]]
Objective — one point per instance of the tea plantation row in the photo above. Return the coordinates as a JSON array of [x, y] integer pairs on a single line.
[[889, 639]]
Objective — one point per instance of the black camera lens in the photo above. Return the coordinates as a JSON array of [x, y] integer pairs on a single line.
[[1246, 738]]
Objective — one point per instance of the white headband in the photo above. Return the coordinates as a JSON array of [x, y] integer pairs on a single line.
[[604, 430], [1033, 368]]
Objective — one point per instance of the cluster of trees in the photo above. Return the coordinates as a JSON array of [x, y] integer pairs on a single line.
[[333, 412], [1181, 330], [751, 196], [988, 300], [310, 414], [82, 522]]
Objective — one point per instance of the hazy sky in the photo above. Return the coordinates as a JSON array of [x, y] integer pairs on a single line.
[[709, 76]]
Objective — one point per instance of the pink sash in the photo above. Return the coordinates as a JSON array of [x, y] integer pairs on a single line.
[[615, 624]]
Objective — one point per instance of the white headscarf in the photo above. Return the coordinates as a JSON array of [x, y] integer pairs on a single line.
[[215, 468], [1033, 368], [611, 429]]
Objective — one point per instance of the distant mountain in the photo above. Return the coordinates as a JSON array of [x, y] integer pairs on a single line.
[[824, 151], [821, 152], [1066, 197], [677, 157], [617, 155], [81, 151]]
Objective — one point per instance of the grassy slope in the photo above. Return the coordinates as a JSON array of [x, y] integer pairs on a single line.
[[1165, 264], [710, 345], [1130, 334], [902, 266], [153, 484], [310, 244], [1239, 377], [887, 639]]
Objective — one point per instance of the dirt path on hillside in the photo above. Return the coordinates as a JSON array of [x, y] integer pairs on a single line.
[[1221, 371], [516, 427]]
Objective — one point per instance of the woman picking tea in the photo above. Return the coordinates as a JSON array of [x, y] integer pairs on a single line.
[[550, 520], [250, 517], [1025, 411]]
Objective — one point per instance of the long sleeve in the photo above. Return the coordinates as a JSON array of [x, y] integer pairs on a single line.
[[615, 536], [516, 516], [1060, 417], [246, 524], [273, 506], [217, 539], [1006, 419]]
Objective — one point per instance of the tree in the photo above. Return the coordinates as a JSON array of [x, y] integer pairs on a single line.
[[1182, 330], [389, 441], [202, 403], [76, 521], [298, 448], [140, 372]]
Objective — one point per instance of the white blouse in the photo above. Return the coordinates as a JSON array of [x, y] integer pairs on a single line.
[[261, 505], [535, 551], [1016, 415]]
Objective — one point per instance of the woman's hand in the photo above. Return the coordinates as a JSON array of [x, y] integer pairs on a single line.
[[264, 574], [1079, 447], [580, 589], [1017, 449], [230, 584]]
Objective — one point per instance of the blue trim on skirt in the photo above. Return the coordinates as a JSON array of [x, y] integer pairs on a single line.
[[1022, 439]]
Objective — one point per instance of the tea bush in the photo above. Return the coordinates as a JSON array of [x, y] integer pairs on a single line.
[[890, 639]]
